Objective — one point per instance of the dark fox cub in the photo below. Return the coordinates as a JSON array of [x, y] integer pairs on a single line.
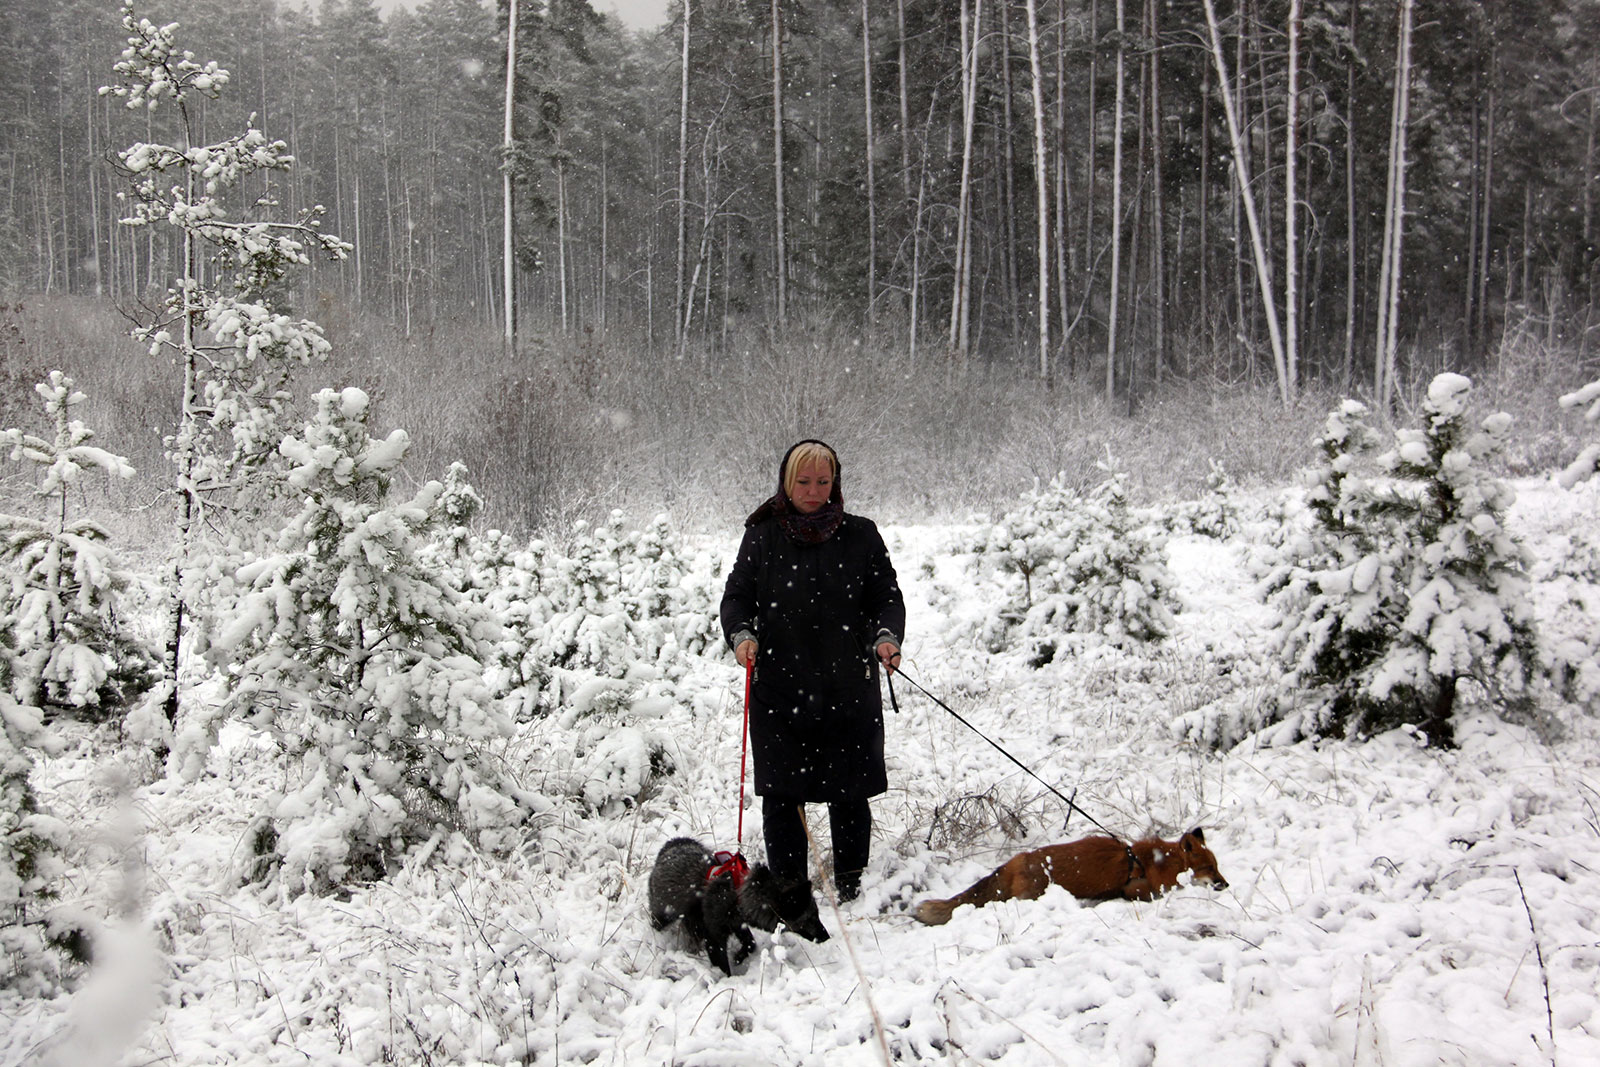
[[687, 883]]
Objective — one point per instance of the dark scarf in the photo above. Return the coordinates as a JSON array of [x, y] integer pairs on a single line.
[[812, 529]]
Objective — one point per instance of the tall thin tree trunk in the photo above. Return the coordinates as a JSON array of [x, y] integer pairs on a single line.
[[1008, 154], [1241, 171], [1350, 230], [678, 315], [1394, 217], [508, 147], [1116, 204], [1158, 196], [971, 26], [1066, 251], [872, 174], [561, 234], [1203, 210], [1475, 185], [905, 100], [780, 240], [1484, 256], [1041, 183], [1291, 264]]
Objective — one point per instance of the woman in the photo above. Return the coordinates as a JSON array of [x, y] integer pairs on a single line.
[[812, 600]]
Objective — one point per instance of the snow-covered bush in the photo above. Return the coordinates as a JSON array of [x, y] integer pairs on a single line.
[[1587, 461], [62, 585], [1215, 514], [30, 844], [365, 665], [1408, 582], [598, 633], [1087, 564]]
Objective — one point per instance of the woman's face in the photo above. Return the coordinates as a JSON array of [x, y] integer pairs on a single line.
[[813, 484]]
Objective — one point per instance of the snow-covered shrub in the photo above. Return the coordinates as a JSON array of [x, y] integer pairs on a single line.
[[62, 585], [598, 633], [1408, 582], [1214, 514], [365, 664], [1587, 461], [30, 845], [1087, 564]]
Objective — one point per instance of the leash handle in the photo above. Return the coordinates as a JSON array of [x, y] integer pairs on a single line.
[[744, 743]]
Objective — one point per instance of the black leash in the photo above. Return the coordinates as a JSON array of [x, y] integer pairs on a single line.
[[1071, 807]]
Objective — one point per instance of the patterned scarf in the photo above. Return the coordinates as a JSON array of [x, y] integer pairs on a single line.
[[812, 529]]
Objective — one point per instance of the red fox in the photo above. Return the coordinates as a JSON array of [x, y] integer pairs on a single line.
[[1092, 868]]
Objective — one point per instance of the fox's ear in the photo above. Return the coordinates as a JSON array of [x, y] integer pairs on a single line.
[[1199, 834]]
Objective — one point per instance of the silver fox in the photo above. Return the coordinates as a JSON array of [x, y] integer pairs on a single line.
[[713, 910]]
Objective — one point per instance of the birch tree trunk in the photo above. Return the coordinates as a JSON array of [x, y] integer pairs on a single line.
[[679, 317], [1041, 182], [971, 26], [905, 101], [508, 148], [872, 151], [1291, 264], [1241, 170], [1116, 203], [779, 235], [1158, 196], [1394, 216]]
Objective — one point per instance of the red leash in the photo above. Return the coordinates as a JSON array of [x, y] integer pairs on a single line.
[[734, 863], [744, 743]]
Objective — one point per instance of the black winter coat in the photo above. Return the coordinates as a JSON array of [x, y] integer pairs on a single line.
[[816, 717]]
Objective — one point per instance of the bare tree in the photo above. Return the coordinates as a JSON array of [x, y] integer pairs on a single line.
[[961, 298], [1291, 265], [1041, 182], [779, 235], [1241, 170], [1394, 216], [678, 316], [872, 151], [1116, 201], [508, 285]]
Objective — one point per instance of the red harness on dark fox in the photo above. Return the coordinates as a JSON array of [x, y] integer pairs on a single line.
[[732, 864]]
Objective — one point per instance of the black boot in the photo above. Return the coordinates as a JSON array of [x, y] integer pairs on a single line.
[[798, 910], [848, 885]]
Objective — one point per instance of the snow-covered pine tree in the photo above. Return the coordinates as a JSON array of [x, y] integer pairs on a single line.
[[30, 846], [1409, 582], [232, 343], [1090, 564], [1587, 461], [62, 584], [366, 665]]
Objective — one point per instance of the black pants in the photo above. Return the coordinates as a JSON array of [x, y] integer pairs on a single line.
[[849, 820]]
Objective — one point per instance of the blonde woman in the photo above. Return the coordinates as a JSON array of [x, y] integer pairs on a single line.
[[812, 600]]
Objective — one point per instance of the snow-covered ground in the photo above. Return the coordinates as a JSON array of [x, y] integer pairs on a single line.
[[1388, 903]]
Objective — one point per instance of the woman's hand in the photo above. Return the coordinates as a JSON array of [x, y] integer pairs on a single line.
[[745, 653], [889, 655]]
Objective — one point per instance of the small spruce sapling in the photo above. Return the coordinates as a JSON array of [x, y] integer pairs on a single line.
[[30, 846], [1089, 564], [1410, 581], [366, 665], [63, 586]]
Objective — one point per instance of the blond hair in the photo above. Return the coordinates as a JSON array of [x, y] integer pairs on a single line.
[[804, 454]]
